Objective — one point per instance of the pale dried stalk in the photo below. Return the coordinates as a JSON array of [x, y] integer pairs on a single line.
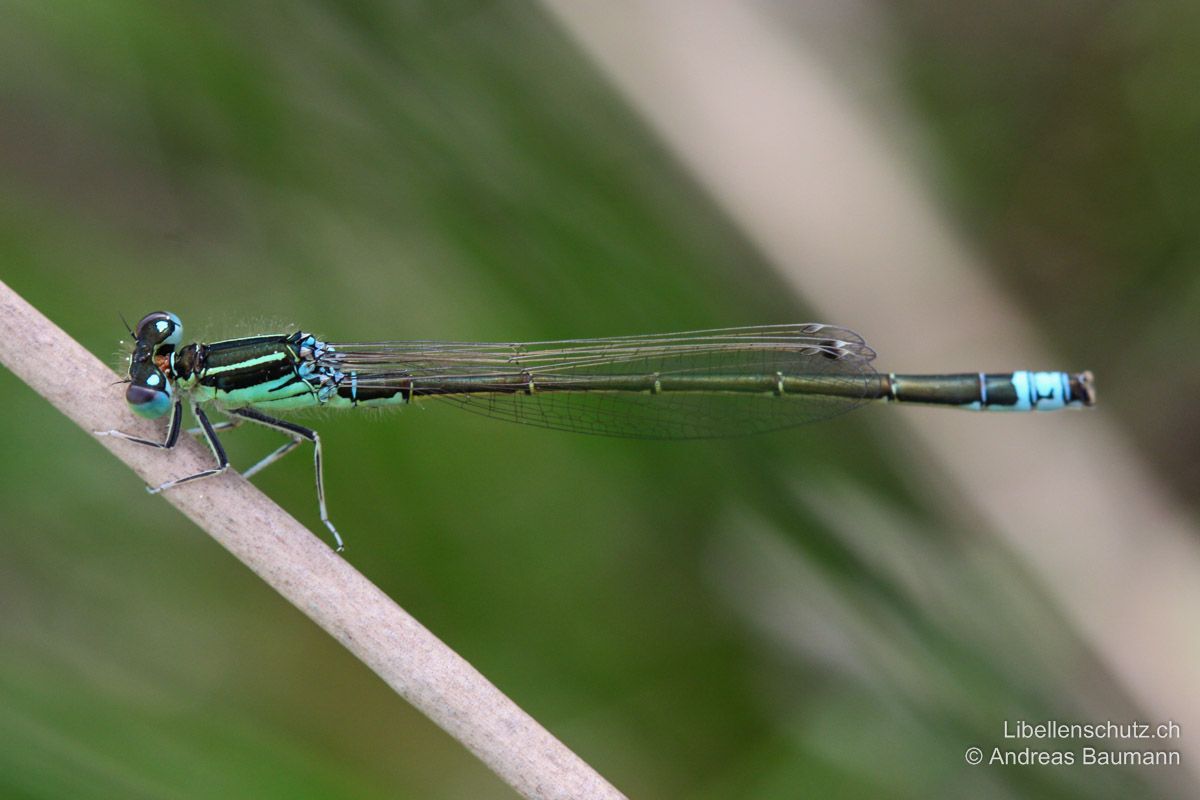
[[302, 568]]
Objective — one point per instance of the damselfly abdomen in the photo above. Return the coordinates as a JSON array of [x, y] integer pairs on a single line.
[[699, 384]]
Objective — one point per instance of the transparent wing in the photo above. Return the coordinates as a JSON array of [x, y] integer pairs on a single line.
[[698, 384]]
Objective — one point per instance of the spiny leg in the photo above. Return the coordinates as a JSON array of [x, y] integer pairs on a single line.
[[273, 457], [299, 433], [214, 444], [170, 441], [223, 425], [231, 424]]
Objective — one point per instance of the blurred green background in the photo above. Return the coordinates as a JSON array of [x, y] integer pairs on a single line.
[[678, 613]]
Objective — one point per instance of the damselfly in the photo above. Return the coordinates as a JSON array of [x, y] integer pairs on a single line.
[[693, 385]]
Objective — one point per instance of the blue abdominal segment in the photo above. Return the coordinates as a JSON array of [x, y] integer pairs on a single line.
[[1012, 391]]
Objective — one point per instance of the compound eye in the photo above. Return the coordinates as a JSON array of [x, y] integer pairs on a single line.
[[149, 397], [160, 328]]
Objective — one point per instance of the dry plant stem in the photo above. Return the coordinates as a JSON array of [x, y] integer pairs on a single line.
[[302, 568]]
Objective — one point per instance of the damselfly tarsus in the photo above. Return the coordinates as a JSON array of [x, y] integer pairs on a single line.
[[693, 385]]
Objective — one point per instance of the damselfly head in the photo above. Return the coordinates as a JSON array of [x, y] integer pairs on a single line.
[[156, 336]]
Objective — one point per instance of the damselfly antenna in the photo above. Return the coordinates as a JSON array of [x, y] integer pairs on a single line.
[[125, 322]]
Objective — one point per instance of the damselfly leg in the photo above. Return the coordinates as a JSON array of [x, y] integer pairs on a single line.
[[172, 439], [266, 461], [169, 442], [223, 425], [214, 444], [299, 434]]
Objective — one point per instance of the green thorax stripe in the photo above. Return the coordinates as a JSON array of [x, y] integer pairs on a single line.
[[246, 363]]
